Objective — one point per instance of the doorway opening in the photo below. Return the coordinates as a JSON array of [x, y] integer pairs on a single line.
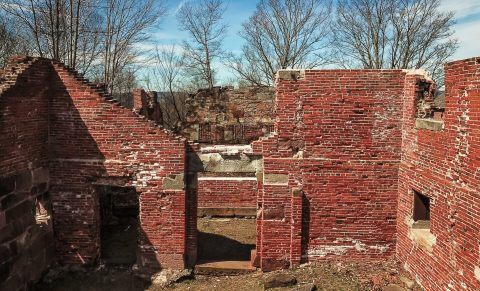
[[226, 223], [119, 210]]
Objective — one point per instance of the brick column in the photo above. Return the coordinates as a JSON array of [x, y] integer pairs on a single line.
[[137, 99]]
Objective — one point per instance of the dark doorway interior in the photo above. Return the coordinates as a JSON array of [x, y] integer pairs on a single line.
[[119, 210]]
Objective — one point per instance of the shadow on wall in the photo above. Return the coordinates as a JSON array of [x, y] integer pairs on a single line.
[[78, 166], [305, 227], [79, 149]]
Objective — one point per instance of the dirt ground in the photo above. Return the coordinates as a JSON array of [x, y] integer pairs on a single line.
[[326, 276], [233, 238], [225, 239], [240, 229]]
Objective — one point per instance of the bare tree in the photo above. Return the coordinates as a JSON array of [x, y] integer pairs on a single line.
[[397, 34], [167, 78], [282, 34], [169, 66], [126, 22], [67, 30], [203, 22], [10, 43]]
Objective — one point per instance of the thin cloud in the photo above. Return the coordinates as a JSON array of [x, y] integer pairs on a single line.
[[179, 6], [467, 15]]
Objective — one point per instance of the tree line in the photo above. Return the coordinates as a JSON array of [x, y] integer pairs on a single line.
[[100, 39]]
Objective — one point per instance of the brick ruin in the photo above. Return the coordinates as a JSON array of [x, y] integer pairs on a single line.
[[223, 115], [361, 165]]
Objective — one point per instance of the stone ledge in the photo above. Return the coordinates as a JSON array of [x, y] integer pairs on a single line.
[[476, 272], [174, 182], [227, 211], [423, 238], [430, 124], [275, 179], [290, 74]]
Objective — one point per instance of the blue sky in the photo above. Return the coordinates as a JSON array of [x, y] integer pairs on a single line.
[[467, 29]]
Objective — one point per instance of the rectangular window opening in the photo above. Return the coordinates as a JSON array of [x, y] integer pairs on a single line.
[[421, 210]]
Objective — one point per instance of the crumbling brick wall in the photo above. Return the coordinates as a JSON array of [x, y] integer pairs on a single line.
[[84, 139], [95, 141], [146, 104], [330, 171], [440, 159], [227, 115]]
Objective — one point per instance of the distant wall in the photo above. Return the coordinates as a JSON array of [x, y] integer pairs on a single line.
[[227, 115], [225, 178]]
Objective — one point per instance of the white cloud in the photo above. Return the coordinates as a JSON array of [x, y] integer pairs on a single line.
[[462, 9], [177, 8], [467, 34], [160, 35], [467, 14]]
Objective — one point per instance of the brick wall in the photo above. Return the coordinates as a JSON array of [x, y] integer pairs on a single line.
[[227, 192], [336, 179], [225, 179], [442, 163], [26, 234], [330, 172], [146, 104], [86, 139], [95, 141]]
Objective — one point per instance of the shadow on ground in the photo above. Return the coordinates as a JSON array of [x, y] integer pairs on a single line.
[[215, 247], [118, 279]]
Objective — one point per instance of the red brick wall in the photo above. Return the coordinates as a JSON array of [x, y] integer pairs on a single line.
[[93, 141], [60, 120], [444, 166], [228, 192], [336, 153], [24, 118]]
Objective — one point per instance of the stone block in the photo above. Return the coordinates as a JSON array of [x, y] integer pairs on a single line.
[[278, 179], [26, 207], [274, 213], [20, 224], [290, 75], [279, 280], [3, 221], [23, 181], [7, 185], [39, 189], [175, 182], [259, 176], [430, 124], [296, 192], [6, 233], [40, 175], [14, 198]]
